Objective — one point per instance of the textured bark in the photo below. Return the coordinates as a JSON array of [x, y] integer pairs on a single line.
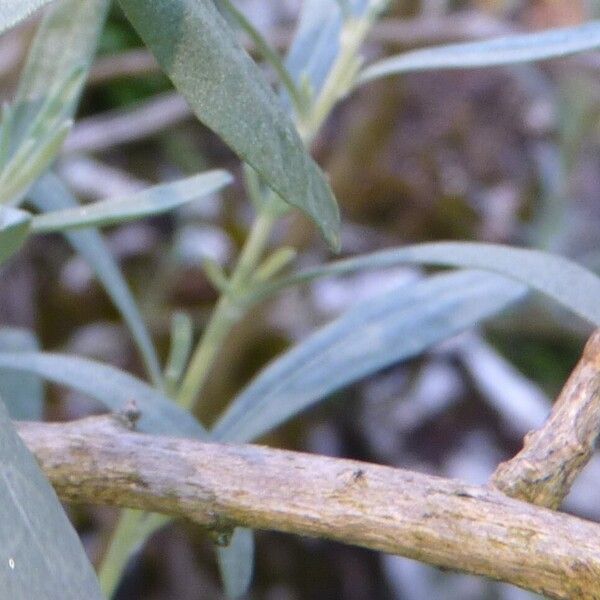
[[442, 522], [553, 456]]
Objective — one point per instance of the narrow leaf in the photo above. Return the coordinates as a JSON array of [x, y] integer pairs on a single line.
[[49, 90], [152, 201], [49, 194], [23, 395], [236, 563], [14, 228], [506, 50], [40, 555], [65, 41], [568, 283], [227, 91], [394, 326], [110, 386]]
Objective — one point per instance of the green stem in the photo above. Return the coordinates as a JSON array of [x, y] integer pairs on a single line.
[[118, 554], [135, 526], [226, 313], [232, 304]]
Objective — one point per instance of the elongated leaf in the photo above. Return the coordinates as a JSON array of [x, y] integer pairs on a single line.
[[48, 92], [66, 41], [151, 201], [40, 555], [15, 11], [236, 562], [505, 50], [110, 386], [316, 42], [49, 194], [23, 395], [563, 280], [227, 91], [14, 228], [369, 337]]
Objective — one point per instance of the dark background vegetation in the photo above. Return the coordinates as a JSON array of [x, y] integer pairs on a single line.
[[506, 155]]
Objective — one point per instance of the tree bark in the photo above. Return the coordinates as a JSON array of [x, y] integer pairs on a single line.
[[446, 523], [554, 455]]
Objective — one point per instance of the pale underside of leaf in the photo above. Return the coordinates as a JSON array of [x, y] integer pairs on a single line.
[[564, 281], [152, 201], [375, 334], [506, 50]]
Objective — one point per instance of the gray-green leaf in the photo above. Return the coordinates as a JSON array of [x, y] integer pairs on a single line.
[[49, 194], [152, 201], [563, 280], [505, 50], [236, 562], [375, 334], [23, 395], [110, 386], [65, 41], [40, 555], [227, 91]]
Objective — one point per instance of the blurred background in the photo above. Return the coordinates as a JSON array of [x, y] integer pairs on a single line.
[[508, 155]]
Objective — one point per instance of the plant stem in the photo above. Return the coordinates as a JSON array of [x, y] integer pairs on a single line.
[[227, 311], [341, 77], [134, 527]]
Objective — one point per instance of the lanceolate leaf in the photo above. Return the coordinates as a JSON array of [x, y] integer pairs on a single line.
[[236, 562], [151, 201], [227, 91], [40, 555], [316, 42], [14, 227], [498, 51], [48, 92], [563, 280], [66, 41], [49, 194], [14, 11], [373, 335], [23, 395], [110, 386]]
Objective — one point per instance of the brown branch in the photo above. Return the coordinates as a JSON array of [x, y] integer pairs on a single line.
[[554, 455], [438, 521]]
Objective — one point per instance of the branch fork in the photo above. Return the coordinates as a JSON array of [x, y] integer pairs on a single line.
[[494, 530]]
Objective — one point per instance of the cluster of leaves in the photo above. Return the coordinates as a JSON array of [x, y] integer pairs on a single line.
[[195, 44]]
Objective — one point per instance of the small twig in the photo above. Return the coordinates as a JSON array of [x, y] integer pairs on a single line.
[[443, 522], [554, 455]]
